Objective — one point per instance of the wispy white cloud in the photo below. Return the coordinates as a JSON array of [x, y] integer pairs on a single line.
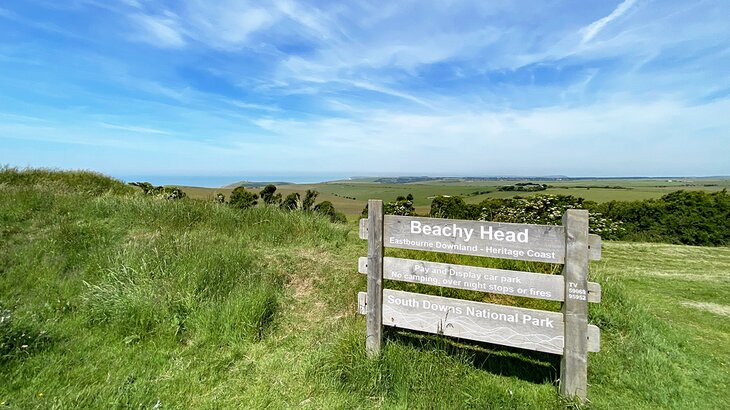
[[594, 28], [55, 133], [7, 13], [37, 24], [226, 24], [343, 54], [251, 106], [132, 3], [162, 30], [312, 19], [134, 129], [502, 140], [365, 85]]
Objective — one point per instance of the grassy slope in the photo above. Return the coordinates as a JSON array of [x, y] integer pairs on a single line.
[[121, 301], [336, 192]]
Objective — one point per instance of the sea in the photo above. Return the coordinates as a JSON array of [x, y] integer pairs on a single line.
[[218, 181]]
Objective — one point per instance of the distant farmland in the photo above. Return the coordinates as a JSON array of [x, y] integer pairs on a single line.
[[341, 193]]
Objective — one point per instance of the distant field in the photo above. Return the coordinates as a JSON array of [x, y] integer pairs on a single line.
[[340, 193]]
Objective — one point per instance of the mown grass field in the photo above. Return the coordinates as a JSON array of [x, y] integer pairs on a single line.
[[116, 300], [340, 193]]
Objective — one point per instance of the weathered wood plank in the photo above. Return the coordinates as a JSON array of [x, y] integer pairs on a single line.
[[540, 243], [374, 329], [362, 303], [594, 338], [595, 242], [552, 239], [574, 364], [594, 292], [499, 281], [504, 325], [364, 228], [594, 246]]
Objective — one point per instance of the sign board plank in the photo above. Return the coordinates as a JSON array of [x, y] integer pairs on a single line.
[[539, 243], [499, 281], [504, 325]]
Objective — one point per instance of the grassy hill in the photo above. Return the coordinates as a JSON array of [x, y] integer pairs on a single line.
[[109, 299]]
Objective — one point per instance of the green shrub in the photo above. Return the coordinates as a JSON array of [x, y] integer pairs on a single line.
[[547, 210], [682, 217], [161, 192], [291, 202], [452, 207], [327, 209], [308, 202], [403, 205], [242, 199]]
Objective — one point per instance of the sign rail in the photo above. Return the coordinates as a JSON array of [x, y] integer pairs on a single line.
[[499, 281]]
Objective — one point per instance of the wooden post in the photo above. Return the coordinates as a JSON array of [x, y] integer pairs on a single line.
[[574, 363], [375, 278]]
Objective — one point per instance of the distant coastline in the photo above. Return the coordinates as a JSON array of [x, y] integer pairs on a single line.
[[222, 181], [228, 181]]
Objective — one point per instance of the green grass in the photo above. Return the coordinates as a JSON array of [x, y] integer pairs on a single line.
[[109, 299]]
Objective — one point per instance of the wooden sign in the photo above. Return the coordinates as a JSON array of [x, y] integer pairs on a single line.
[[566, 333], [530, 329], [499, 281], [527, 242]]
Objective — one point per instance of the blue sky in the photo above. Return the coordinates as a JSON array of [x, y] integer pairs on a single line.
[[194, 87]]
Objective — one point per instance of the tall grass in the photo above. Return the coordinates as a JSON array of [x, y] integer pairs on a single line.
[[86, 182], [128, 270]]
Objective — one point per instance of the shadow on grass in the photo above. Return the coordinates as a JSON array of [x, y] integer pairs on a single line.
[[534, 367]]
